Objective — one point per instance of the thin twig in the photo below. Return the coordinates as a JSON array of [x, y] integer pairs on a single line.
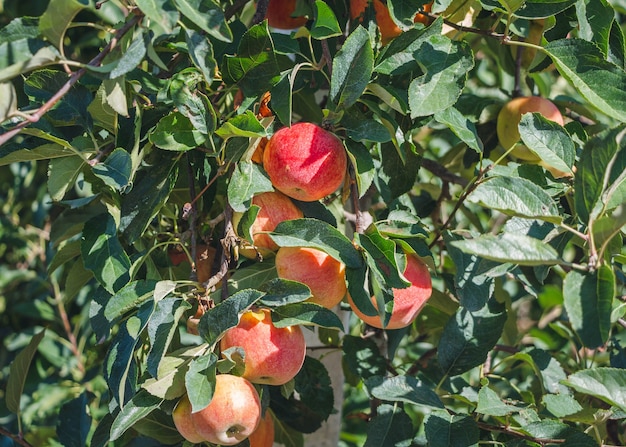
[[192, 212], [64, 90], [261, 10], [17, 438]]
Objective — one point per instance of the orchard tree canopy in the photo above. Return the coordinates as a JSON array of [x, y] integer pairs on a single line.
[[138, 174]]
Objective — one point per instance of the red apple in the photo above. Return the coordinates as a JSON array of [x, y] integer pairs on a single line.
[[233, 413], [388, 28], [183, 421], [407, 302], [273, 356], [305, 161], [510, 116], [279, 15], [264, 435], [275, 208], [325, 276]]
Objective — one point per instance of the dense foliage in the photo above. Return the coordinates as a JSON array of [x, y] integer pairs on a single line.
[[127, 143]]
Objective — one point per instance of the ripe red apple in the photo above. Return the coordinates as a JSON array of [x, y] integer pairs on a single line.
[[273, 356], [275, 208], [264, 435], [279, 15], [233, 413], [183, 421], [407, 302], [510, 116], [325, 276], [305, 161], [386, 25]]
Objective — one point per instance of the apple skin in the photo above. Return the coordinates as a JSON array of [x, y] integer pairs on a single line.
[[183, 421], [388, 28], [275, 208], [325, 276], [279, 12], [273, 356], [264, 435], [305, 162], [233, 413], [510, 116], [407, 302]]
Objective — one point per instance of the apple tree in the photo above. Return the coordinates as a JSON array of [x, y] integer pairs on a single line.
[[133, 146]]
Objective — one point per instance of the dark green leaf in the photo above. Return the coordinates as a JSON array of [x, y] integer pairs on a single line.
[[490, 404], [23, 55], [162, 14], [208, 16], [131, 296], [306, 314], [594, 22], [58, 16], [446, 430], [397, 171], [201, 53], [314, 387], [363, 357], [74, 422], [551, 429], [282, 96], [363, 164], [403, 389], [469, 336], [62, 173], [200, 381], [516, 196], [391, 427], [461, 127], [315, 233], [352, 69], [131, 57], [510, 247], [280, 292], [18, 373], [246, 181], [601, 83], [255, 67], [116, 169], [588, 302], [226, 314], [140, 406], [162, 327], [103, 253]]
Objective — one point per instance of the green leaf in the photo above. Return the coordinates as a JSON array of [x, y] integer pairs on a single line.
[[445, 64], [314, 388], [175, 132], [306, 314], [255, 68], [58, 16], [606, 384], [490, 404], [74, 422], [352, 69], [561, 405], [601, 83], [246, 181], [131, 56], [363, 164], [201, 53], [516, 196], [461, 127], [116, 169], [551, 429], [309, 232], [397, 171], [601, 164], [282, 95], [103, 253], [23, 55], [18, 373], [363, 357], [162, 14], [280, 292], [548, 140], [216, 321], [390, 427], [245, 125], [325, 24], [208, 16], [469, 336], [129, 297], [140, 406], [402, 389], [473, 286], [594, 22], [200, 381], [445, 430], [62, 173], [510, 247], [162, 327], [588, 300]]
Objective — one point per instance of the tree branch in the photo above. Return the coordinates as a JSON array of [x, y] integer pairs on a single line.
[[17, 438], [64, 90]]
